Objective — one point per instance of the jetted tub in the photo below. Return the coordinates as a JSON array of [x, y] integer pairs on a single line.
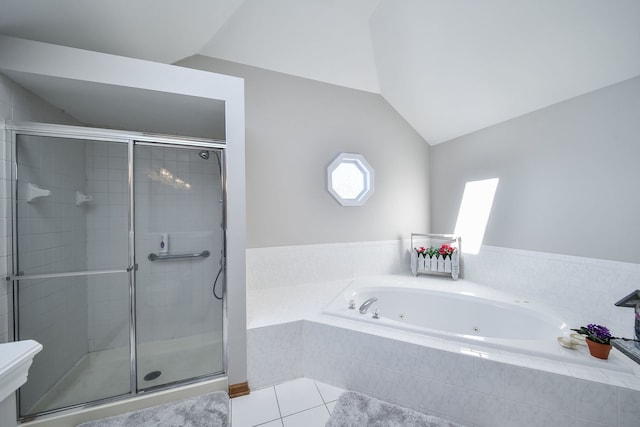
[[464, 312]]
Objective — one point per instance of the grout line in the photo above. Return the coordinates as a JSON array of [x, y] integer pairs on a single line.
[[318, 388], [304, 410], [277, 402], [267, 422]]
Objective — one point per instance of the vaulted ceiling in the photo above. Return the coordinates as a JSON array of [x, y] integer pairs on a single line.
[[449, 67]]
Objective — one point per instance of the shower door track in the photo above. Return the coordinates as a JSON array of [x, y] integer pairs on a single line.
[[131, 138]]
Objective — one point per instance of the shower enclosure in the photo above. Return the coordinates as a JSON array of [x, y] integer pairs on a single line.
[[118, 248]]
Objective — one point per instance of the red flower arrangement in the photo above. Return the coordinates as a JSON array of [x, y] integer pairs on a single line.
[[446, 250], [422, 251]]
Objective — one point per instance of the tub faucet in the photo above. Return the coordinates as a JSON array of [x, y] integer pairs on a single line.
[[365, 305]]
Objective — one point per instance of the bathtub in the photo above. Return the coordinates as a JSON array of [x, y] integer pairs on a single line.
[[466, 313]]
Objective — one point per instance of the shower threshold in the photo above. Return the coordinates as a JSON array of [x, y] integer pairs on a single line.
[[100, 374]]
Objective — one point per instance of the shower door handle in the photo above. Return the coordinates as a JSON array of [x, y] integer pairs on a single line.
[[22, 276]]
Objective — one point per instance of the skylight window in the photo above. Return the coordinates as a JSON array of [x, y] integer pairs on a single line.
[[474, 212]]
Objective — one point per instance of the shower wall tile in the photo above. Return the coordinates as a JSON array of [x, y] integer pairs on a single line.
[[52, 239], [182, 288], [107, 247], [47, 238], [5, 114]]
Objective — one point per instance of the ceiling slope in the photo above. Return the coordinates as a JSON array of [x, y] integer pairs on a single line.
[[318, 39], [156, 30], [451, 68], [448, 67]]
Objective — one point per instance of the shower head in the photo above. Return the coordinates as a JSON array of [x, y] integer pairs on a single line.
[[204, 154]]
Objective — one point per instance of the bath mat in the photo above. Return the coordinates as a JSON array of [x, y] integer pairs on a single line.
[[355, 410], [210, 410]]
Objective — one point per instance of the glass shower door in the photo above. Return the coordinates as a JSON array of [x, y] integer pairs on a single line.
[[178, 246], [71, 284]]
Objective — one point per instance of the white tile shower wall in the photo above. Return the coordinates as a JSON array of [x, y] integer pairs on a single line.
[[4, 229], [107, 244], [6, 113], [170, 290], [585, 287], [16, 104], [192, 216], [51, 239], [166, 291], [296, 265]]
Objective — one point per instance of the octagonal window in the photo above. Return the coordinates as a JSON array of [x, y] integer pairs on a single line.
[[350, 179]]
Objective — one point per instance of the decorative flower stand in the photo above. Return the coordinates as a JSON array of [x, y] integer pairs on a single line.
[[443, 265]]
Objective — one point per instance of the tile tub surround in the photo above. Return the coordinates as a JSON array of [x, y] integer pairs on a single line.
[[437, 377], [467, 386], [473, 386], [586, 288], [283, 266]]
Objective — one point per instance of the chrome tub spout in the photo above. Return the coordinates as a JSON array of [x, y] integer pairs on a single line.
[[365, 305]]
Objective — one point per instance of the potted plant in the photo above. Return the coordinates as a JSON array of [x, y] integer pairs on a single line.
[[598, 339]]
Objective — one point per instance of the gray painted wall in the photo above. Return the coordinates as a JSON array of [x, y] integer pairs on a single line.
[[569, 176], [294, 128]]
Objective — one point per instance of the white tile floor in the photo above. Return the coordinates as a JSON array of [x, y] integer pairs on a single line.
[[298, 403]]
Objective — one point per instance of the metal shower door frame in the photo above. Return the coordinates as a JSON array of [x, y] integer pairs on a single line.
[[12, 130]]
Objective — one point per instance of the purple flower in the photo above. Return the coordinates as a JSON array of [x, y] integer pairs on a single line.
[[599, 332]]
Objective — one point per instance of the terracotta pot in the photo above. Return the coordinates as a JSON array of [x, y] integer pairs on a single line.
[[601, 351]]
